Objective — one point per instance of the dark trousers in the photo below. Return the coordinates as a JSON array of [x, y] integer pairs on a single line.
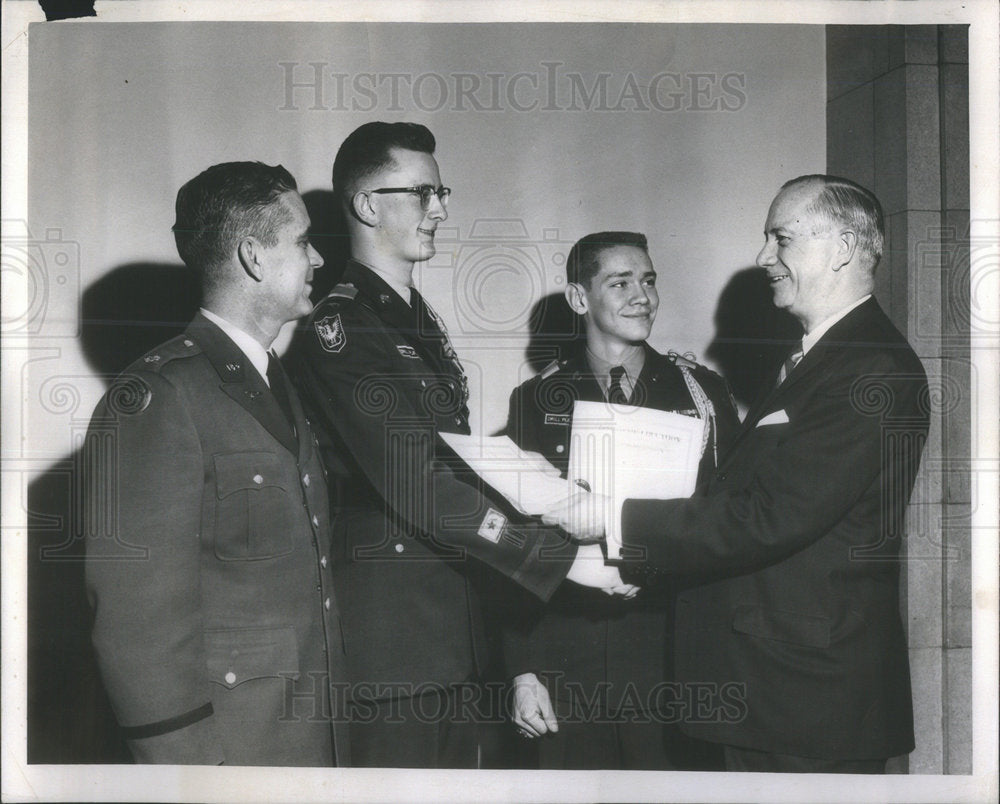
[[639, 743], [744, 759], [418, 732]]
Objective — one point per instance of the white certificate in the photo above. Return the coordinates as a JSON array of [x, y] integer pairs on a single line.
[[526, 479], [632, 452]]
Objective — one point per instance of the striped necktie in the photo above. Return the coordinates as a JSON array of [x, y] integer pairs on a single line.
[[790, 363]]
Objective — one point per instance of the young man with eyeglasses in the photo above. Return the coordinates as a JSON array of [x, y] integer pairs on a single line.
[[378, 371]]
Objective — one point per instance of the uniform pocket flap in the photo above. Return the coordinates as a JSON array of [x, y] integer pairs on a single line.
[[242, 654], [783, 626], [239, 471]]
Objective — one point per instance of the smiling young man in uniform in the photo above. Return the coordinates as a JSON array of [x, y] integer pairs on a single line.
[[591, 671], [380, 374]]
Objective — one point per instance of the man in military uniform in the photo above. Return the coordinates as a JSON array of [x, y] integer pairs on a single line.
[[585, 649], [208, 565], [379, 372]]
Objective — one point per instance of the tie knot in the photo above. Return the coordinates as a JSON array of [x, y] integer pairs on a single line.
[[617, 372]]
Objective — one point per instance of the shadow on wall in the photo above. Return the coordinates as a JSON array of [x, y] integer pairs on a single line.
[[329, 237], [555, 332], [126, 312], [752, 336]]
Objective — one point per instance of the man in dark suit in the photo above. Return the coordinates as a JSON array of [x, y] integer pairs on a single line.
[[797, 537], [379, 373], [585, 650], [209, 564]]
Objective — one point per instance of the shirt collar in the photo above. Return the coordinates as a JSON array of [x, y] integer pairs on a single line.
[[632, 363], [809, 341], [256, 354], [402, 290]]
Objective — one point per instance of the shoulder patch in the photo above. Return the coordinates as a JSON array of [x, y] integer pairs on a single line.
[[128, 395], [330, 332]]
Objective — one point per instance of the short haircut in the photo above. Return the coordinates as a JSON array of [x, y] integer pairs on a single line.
[[582, 265], [367, 150], [225, 203], [843, 202]]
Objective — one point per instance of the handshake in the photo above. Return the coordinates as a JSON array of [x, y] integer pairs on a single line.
[[584, 516]]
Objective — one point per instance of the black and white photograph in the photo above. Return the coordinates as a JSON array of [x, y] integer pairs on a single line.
[[541, 401]]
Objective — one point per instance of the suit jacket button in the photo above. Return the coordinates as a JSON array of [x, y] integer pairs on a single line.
[[322, 562], [560, 448], [326, 604], [258, 479]]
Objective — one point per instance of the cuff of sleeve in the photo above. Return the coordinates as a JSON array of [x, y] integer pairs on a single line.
[[546, 563], [195, 743]]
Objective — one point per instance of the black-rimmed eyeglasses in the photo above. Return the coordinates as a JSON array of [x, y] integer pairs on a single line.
[[425, 191]]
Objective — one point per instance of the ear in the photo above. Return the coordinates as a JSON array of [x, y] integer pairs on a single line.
[[248, 251], [847, 247], [363, 209], [576, 298]]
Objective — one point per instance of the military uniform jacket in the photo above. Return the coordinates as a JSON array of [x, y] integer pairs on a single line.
[[208, 564], [801, 637], [617, 650], [381, 383]]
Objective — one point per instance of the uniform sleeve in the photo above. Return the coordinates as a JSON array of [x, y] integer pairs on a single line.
[[802, 480], [384, 417], [144, 498]]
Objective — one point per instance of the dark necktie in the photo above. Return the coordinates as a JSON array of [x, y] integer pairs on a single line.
[[790, 363], [278, 381], [616, 394]]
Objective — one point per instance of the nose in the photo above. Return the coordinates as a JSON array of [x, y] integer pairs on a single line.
[[315, 258], [436, 210], [640, 294], [767, 255]]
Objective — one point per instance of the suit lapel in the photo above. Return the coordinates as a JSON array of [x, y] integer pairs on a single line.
[[840, 335], [240, 380]]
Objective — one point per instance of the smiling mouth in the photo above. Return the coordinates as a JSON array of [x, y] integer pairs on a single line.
[[777, 278], [429, 232]]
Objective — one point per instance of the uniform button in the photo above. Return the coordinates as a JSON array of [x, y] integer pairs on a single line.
[[322, 562], [399, 548], [315, 521], [258, 479], [230, 677], [326, 604], [458, 420], [305, 479], [188, 343], [560, 448], [423, 383]]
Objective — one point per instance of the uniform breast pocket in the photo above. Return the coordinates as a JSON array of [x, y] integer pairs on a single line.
[[247, 654], [252, 507]]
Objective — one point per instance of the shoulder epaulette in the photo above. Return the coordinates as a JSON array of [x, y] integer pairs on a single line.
[[686, 360], [178, 347], [344, 291], [550, 369]]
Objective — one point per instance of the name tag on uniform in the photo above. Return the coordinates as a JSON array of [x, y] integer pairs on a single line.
[[558, 418]]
